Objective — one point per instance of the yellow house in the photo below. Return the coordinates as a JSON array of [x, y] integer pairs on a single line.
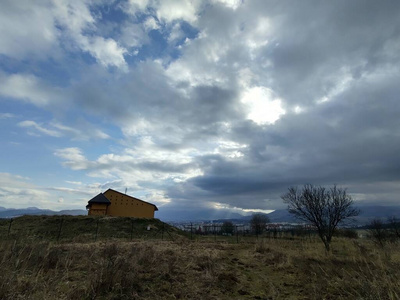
[[116, 204]]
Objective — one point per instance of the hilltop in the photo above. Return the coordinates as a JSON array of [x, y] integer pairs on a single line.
[[80, 268], [84, 228]]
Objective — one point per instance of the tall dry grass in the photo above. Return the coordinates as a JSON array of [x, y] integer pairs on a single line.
[[266, 269]]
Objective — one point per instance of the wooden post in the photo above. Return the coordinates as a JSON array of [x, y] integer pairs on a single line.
[[59, 230], [257, 228], [131, 228], [97, 230], [237, 235], [9, 226]]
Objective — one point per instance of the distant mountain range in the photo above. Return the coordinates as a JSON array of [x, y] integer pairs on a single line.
[[367, 214], [16, 212]]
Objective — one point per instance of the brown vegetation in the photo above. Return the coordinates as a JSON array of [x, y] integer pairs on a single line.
[[183, 269]]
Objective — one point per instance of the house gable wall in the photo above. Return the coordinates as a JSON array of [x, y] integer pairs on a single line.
[[127, 206], [98, 209]]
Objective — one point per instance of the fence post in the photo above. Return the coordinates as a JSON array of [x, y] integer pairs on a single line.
[[257, 228], [97, 230], [237, 235], [9, 226], [131, 228], [191, 231], [59, 230]]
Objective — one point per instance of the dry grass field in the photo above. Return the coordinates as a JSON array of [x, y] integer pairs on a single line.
[[200, 269]]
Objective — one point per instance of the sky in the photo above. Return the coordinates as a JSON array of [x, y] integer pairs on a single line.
[[204, 108]]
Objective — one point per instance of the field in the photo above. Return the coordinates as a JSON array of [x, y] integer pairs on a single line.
[[153, 268]]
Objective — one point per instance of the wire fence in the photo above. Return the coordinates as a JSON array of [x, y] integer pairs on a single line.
[[244, 233], [88, 228], [83, 229]]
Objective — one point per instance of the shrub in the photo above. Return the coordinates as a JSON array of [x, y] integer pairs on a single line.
[[347, 233]]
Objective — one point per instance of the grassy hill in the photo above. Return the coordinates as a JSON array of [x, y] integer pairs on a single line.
[[34, 265], [84, 228], [155, 269]]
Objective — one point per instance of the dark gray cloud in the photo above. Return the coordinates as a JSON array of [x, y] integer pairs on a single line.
[[147, 94], [351, 140], [336, 61], [189, 104], [318, 43]]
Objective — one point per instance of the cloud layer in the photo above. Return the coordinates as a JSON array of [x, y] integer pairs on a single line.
[[207, 105]]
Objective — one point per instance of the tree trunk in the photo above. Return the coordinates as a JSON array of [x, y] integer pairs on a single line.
[[327, 247], [326, 242]]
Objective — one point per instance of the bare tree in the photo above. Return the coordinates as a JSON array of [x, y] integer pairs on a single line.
[[378, 232], [394, 226], [323, 208], [258, 222]]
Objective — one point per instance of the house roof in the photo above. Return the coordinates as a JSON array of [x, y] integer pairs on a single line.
[[155, 207], [100, 198]]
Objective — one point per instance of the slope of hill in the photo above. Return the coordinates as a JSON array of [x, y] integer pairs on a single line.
[[83, 228], [35, 267]]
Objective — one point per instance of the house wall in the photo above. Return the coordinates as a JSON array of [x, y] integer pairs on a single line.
[[97, 209], [126, 206]]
